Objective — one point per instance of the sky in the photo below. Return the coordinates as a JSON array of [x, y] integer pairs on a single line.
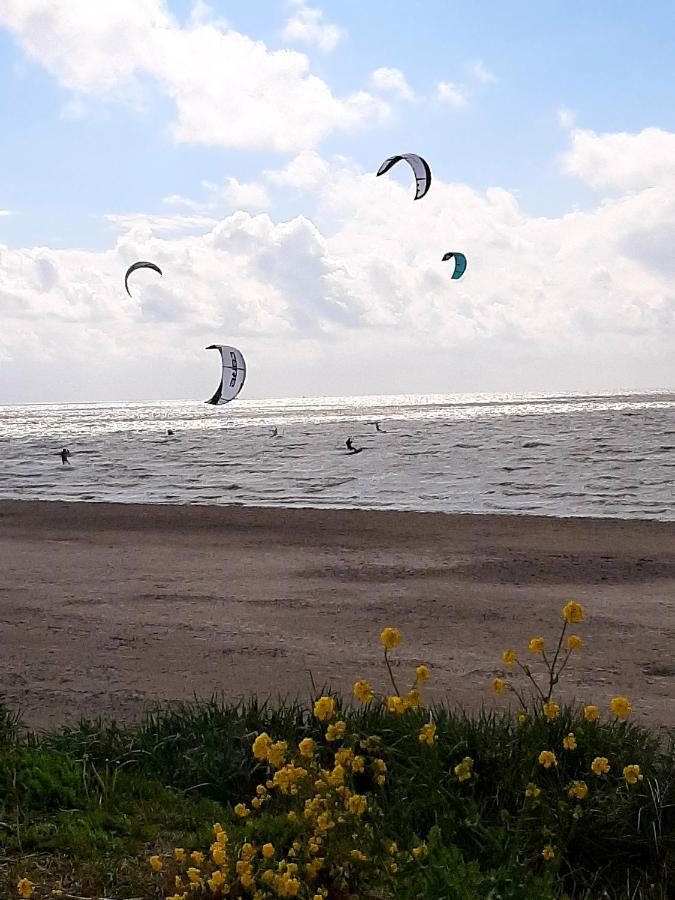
[[236, 146]]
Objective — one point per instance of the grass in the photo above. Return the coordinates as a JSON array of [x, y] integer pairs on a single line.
[[387, 799], [82, 808]]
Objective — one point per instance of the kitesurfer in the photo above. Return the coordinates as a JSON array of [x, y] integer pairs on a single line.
[[275, 432], [377, 428], [64, 454], [351, 448]]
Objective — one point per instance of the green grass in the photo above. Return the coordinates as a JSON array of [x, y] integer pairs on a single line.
[[84, 807]]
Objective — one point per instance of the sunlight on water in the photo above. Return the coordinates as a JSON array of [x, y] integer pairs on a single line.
[[573, 454]]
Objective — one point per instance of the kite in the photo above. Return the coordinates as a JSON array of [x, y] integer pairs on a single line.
[[419, 166], [233, 374], [139, 265], [460, 263]]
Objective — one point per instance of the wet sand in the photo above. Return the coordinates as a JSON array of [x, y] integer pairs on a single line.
[[108, 609]]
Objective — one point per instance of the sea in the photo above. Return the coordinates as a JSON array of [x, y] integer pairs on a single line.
[[607, 455]]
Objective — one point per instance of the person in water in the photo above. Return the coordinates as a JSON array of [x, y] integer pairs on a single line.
[[351, 448], [275, 432], [64, 454], [377, 428]]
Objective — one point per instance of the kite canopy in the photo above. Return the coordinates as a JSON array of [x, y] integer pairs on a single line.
[[233, 374], [142, 264], [419, 166], [460, 263]]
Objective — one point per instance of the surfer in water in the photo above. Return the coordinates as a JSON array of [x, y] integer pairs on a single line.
[[351, 448], [275, 431], [377, 428], [64, 454]]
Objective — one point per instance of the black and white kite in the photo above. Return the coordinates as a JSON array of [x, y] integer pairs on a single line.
[[233, 374], [419, 166], [142, 264], [460, 263]]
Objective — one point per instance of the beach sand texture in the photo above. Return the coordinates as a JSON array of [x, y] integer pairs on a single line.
[[108, 609]]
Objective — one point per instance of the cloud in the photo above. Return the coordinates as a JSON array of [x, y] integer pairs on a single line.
[[228, 90], [451, 94], [480, 72], [565, 117], [306, 26], [5, 212], [304, 172], [621, 161], [392, 81], [238, 195]]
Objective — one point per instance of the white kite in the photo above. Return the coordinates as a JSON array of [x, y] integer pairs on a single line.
[[233, 375]]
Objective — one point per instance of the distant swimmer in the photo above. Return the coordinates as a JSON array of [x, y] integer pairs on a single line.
[[275, 431], [169, 431], [377, 428], [351, 448], [64, 454]]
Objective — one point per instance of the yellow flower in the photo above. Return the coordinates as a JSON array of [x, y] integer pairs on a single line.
[[396, 705], [307, 748], [324, 708], [218, 854], [532, 790], [578, 790], [268, 851], [156, 863], [357, 805], [412, 700], [574, 642], [242, 810], [570, 742], [179, 854], [463, 770], [276, 754], [356, 854], [499, 685], [363, 691], [390, 637], [551, 710], [600, 765], [261, 745], [536, 645], [24, 887], [548, 852], [197, 857], [194, 875], [521, 718], [573, 612], [621, 707], [336, 732], [509, 657], [420, 851], [428, 734], [547, 759], [591, 713], [422, 674], [632, 774], [216, 881]]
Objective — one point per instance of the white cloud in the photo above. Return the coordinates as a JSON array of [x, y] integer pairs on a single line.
[[5, 212], [622, 161], [451, 94], [304, 172], [238, 195], [306, 26], [478, 70], [392, 81], [229, 90], [565, 117], [370, 285]]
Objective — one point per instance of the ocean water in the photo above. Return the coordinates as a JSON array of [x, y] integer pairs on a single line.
[[571, 455]]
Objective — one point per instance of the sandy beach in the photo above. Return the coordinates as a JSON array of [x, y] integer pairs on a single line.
[[108, 609]]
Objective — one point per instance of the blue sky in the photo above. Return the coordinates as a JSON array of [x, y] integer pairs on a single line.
[[74, 151]]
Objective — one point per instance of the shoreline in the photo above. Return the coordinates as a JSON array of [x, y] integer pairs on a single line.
[[112, 608]]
